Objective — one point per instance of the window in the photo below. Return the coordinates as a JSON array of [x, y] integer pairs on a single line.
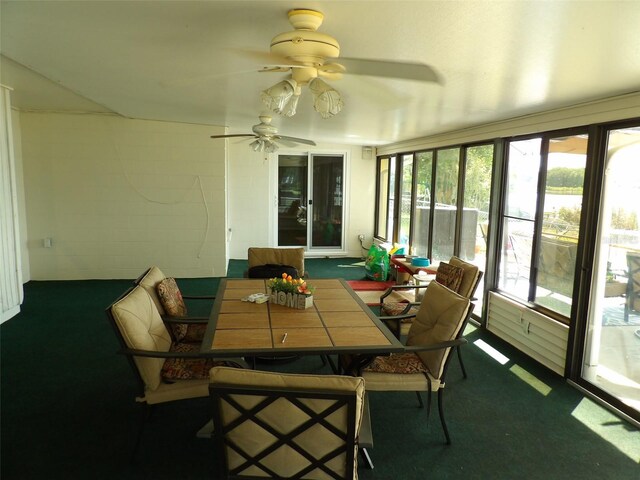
[[541, 221], [421, 213], [406, 189], [478, 167], [446, 202]]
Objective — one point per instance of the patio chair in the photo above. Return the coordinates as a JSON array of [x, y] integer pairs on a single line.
[[422, 367], [165, 371], [632, 303], [274, 425]]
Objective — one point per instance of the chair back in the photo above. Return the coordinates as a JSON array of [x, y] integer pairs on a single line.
[[138, 325], [273, 425], [440, 318], [278, 256], [470, 278], [149, 280], [633, 283]]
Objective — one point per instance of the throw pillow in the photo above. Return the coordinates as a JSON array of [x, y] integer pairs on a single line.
[[173, 305], [449, 276]]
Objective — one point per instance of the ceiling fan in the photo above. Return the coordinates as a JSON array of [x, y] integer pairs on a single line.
[[266, 137], [310, 56]]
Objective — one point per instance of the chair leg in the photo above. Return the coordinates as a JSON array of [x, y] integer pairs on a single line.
[[146, 415], [420, 400], [464, 371], [327, 359], [428, 403], [444, 425]]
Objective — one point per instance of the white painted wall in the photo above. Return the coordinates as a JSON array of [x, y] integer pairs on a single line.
[[118, 195], [251, 206]]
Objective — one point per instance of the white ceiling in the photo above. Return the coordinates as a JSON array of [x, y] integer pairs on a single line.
[[183, 61]]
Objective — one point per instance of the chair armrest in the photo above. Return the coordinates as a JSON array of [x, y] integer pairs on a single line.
[[172, 320], [395, 288], [435, 346], [199, 297], [155, 354], [393, 318]]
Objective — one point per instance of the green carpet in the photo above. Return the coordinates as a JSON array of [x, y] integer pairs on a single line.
[[68, 409]]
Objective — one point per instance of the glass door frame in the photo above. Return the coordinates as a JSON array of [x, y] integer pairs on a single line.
[[587, 256], [274, 178]]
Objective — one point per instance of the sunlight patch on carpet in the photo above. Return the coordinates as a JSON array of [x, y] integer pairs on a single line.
[[609, 427], [357, 264]]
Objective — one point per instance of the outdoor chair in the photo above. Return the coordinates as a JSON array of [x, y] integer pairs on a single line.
[[460, 276], [164, 370], [171, 305], [422, 366], [273, 425], [632, 303], [265, 262]]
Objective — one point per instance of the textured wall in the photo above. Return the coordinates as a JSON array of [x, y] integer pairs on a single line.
[[118, 195]]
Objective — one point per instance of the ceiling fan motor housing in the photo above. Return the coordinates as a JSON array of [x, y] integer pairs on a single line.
[[304, 44]]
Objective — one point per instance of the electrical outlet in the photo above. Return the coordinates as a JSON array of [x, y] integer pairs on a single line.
[[361, 237]]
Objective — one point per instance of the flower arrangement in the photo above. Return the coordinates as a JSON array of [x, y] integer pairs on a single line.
[[288, 284]]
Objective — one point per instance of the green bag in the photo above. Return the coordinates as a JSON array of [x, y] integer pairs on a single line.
[[376, 266]]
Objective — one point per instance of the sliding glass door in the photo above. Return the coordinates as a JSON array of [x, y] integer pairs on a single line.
[[611, 360], [311, 201]]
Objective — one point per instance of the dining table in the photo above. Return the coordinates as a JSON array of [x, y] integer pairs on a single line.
[[338, 322]]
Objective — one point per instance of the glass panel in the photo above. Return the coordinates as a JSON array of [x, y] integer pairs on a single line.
[[327, 201], [420, 239], [383, 198], [404, 228], [562, 206], [611, 349], [518, 223], [445, 198], [392, 196], [292, 200], [475, 215], [522, 189]]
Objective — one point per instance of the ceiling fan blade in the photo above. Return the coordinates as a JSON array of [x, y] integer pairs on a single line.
[[235, 135], [296, 140], [390, 69]]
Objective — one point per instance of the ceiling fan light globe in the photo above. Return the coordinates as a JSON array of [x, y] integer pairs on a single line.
[[276, 97], [327, 100], [291, 107]]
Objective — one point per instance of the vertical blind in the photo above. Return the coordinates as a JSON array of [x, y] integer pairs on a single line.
[[11, 293]]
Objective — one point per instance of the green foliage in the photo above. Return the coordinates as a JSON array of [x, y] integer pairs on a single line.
[[565, 177], [623, 220]]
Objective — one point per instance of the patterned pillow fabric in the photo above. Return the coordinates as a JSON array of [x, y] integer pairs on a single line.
[[173, 304], [397, 363], [449, 276], [195, 333], [188, 368], [171, 298]]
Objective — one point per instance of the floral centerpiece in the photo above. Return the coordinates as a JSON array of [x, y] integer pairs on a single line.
[[289, 291]]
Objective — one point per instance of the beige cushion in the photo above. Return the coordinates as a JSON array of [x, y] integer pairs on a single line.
[[439, 319], [470, 277], [149, 282], [142, 328], [280, 256], [283, 416]]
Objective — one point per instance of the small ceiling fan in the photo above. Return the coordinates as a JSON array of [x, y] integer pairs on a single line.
[[266, 137], [309, 55]]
